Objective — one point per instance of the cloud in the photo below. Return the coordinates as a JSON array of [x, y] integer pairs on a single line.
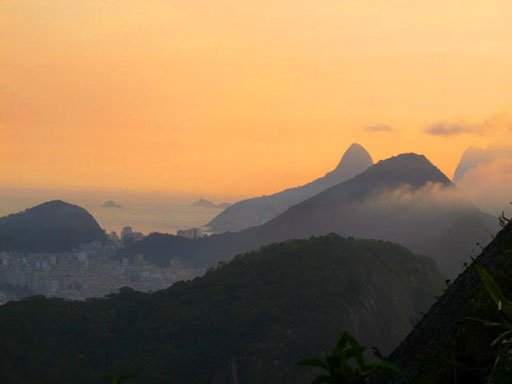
[[488, 127], [450, 129], [497, 171], [379, 128], [485, 175], [489, 185], [424, 198], [499, 147]]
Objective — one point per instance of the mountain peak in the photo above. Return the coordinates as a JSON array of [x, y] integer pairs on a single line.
[[406, 168], [407, 160], [54, 204], [355, 155], [259, 210], [55, 207], [355, 147]]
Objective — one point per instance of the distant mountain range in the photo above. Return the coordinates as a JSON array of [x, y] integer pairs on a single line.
[[249, 321], [54, 226], [404, 199], [259, 210]]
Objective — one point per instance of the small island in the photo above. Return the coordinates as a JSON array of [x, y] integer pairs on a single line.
[[110, 204], [204, 203], [209, 204]]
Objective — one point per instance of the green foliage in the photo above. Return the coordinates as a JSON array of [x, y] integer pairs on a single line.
[[496, 294], [346, 364], [264, 310], [119, 379], [503, 220], [503, 343]]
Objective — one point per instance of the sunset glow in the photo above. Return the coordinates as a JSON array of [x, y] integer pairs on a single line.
[[243, 97]]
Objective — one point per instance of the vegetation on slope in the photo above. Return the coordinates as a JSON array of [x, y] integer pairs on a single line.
[[346, 364], [54, 226], [252, 318]]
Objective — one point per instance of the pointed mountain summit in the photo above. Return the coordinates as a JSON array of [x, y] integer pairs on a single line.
[[259, 210], [54, 226], [404, 199], [353, 159]]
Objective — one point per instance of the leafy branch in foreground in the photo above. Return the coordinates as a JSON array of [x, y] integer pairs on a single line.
[[503, 220], [346, 364], [503, 342]]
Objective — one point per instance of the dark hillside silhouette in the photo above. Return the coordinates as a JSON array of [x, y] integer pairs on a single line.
[[54, 226]]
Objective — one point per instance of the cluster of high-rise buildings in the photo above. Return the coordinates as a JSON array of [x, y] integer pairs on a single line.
[[192, 233], [128, 236]]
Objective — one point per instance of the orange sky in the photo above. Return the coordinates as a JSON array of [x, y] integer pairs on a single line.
[[242, 97]]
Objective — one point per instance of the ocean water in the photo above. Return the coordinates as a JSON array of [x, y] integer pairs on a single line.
[[144, 212]]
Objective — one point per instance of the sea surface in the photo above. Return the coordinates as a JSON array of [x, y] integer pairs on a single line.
[[145, 212]]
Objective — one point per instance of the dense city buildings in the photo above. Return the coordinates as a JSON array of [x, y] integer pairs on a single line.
[[128, 236], [89, 271], [192, 233]]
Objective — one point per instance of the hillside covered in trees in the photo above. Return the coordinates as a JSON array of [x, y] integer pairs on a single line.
[[54, 226], [253, 317]]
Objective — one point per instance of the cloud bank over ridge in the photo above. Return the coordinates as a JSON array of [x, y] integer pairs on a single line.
[[485, 175]]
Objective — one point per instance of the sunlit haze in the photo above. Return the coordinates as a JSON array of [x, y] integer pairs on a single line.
[[243, 97], [221, 191]]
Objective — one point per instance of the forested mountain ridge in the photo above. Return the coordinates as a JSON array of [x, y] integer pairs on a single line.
[[259, 313], [54, 226], [404, 199]]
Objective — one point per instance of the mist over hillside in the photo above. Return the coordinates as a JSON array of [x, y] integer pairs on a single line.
[[485, 175]]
